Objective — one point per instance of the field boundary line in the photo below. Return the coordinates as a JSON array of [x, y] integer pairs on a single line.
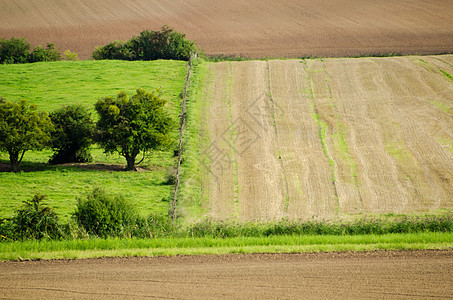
[[182, 125]]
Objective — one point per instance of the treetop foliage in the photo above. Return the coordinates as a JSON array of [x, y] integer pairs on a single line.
[[22, 128], [134, 125], [73, 134]]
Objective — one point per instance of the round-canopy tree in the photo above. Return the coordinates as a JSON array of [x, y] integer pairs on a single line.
[[131, 126], [22, 128], [73, 135]]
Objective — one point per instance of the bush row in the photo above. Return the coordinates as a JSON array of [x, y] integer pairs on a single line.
[[99, 214], [385, 225], [149, 45], [18, 51]]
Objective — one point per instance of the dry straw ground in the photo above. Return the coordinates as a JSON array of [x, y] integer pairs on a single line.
[[330, 137]]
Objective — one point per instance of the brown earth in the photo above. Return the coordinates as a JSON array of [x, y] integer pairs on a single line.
[[256, 28], [367, 275], [328, 138]]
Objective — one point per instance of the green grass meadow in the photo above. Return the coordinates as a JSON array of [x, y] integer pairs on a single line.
[[51, 85]]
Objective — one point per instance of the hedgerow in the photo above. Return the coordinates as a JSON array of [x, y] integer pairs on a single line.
[[17, 51], [149, 45], [104, 215]]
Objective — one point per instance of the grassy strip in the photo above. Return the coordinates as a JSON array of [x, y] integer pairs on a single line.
[[446, 74], [93, 248], [191, 195]]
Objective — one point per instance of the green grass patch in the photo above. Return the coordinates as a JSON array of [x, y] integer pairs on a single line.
[[449, 76], [50, 85], [62, 184], [191, 196], [92, 248]]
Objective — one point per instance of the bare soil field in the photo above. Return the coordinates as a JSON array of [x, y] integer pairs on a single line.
[[329, 138], [365, 275], [254, 28]]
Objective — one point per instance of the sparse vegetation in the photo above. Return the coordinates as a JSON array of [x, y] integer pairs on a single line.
[[69, 55]]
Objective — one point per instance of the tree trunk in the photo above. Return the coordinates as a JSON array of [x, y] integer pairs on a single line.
[[130, 163], [14, 161]]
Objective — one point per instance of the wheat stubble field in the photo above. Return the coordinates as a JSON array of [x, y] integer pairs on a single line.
[[330, 137], [315, 138]]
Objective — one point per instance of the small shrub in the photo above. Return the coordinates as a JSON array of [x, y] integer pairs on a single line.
[[69, 55], [14, 51], [44, 54], [35, 221], [17, 51], [115, 50], [104, 215]]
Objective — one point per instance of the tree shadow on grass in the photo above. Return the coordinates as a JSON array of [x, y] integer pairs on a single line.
[[38, 167]]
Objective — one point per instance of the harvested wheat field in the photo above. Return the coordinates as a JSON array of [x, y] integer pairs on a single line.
[[328, 138], [255, 28]]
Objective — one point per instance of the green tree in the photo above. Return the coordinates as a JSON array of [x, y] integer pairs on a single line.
[[163, 44], [73, 134], [22, 128], [131, 126]]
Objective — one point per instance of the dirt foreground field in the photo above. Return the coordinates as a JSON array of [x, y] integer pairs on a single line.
[[367, 275], [256, 28]]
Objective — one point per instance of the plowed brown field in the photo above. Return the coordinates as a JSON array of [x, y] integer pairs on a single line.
[[290, 28], [369, 275], [329, 138]]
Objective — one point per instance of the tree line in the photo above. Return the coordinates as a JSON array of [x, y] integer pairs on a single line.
[[149, 45], [126, 125], [17, 51]]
